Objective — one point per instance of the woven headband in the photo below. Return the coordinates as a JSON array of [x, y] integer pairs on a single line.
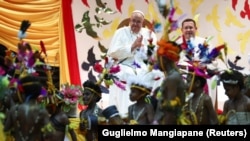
[[92, 90]]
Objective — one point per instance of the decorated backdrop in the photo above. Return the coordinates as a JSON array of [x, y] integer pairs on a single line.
[[74, 30], [224, 21]]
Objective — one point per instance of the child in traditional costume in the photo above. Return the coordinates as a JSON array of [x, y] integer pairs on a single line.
[[171, 95], [236, 110], [142, 111], [199, 106], [29, 121], [89, 116]]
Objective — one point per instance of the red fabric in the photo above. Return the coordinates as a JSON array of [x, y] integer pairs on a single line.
[[70, 43]]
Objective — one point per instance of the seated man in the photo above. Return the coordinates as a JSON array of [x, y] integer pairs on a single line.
[[129, 47]]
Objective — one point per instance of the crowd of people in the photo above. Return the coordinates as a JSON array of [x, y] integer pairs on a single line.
[[188, 70], [165, 84]]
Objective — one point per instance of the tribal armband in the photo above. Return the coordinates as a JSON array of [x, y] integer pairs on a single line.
[[47, 128], [224, 118], [72, 126]]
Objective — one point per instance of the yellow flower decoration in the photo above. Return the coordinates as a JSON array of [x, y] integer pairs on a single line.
[[171, 103], [133, 122], [47, 128]]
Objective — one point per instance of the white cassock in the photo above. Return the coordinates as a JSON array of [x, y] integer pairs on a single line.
[[120, 48]]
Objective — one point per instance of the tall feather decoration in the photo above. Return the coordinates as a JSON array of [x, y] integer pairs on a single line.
[[225, 49], [216, 51], [221, 57], [31, 59], [120, 85], [203, 50], [237, 58], [25, 24], [43, 49]]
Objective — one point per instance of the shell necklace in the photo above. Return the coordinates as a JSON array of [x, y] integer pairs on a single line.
[[136, 117], [197, 106]]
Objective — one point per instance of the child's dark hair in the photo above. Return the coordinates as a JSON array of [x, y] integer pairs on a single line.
[[31, 87], [202, 80], [233, 77], [146, 91], [93, 86]]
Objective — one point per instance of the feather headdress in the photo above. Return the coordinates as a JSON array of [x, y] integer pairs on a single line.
[[233, 65], [25, 24], [143, 81], [196, 70], [169, 48]]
